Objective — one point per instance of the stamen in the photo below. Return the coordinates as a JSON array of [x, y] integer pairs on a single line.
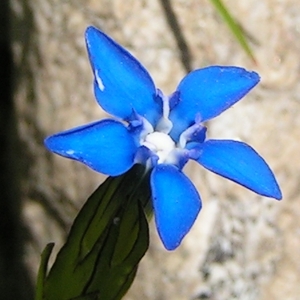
[[139, 125], [196, 132]]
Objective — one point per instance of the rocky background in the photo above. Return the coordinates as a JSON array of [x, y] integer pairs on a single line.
[[242, 246]]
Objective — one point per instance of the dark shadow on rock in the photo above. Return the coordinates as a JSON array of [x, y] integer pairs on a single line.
[[184, 50], [14, 278], [24, 31]]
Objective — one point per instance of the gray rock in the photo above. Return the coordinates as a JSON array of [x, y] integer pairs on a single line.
[[242, 246]]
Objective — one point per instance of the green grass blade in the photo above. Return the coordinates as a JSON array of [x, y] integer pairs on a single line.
[[234, 27]]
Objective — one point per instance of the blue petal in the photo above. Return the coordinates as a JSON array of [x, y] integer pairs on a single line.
[[207, 92], [176, 204], [106, 146], [239, 162], [121, 83]]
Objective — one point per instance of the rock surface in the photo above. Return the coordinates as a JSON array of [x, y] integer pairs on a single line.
[[242, 246]]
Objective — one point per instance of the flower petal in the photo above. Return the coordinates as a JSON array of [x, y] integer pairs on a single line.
[[239, 162], [207, 92], [106, 146], [176, 204], [121, 83]]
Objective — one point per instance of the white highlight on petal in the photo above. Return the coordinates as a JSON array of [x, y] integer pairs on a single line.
[[70, 152], [99, 81], [160, 143]]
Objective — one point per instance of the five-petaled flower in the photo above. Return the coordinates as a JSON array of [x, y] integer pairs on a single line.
[[163, 132]]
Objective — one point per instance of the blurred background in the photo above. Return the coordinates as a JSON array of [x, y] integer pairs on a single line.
[[242, 246]]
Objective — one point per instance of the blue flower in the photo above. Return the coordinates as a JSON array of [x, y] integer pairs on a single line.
[[163, 132]]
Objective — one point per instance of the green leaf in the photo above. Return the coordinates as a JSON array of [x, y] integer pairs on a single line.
[[106, 242], [234, 27], [43, 271]]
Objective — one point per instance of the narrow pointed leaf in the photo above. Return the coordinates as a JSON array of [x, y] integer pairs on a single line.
[[42, 273], [92, 264]]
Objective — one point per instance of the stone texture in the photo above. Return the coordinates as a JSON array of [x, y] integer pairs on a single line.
[[242, 246]]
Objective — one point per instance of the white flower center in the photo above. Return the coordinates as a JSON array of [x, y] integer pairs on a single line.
[[160, 143]]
